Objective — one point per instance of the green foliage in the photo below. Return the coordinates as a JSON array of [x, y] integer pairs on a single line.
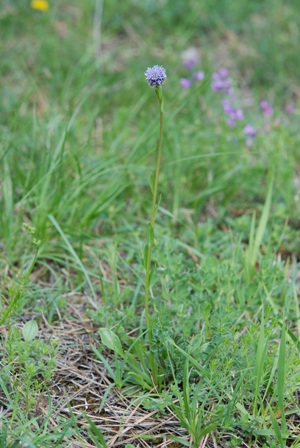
[[15, 297], [27, 362]]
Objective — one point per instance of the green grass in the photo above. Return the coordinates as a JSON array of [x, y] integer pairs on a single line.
[[79, 129]]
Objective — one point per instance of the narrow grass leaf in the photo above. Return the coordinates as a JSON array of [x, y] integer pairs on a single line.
[[293, 338], [281, 379], [262, 223], [276, 428], [76, 258], [105, 362], [262, 345], [95, 432], [180, 440]]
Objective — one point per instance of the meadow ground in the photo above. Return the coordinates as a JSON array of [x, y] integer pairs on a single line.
[[216, 361]]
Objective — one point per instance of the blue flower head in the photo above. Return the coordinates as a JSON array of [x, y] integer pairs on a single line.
[[155, 75]]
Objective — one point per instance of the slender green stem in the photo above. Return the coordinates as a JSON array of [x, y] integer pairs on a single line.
[[153, 216], [158, 161]]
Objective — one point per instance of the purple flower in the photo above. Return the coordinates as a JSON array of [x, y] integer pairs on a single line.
[[231, 122], [289, 109], [216, 76], [198, 76], [219, 85], [223, 72], [185, 83], [266, 108], [226, 106], [229, 91], [190, 63], [239, 114], [221, 81], [155, 75], [232, 112], [249, 131]]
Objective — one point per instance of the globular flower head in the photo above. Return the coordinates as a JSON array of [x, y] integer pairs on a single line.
[[155, 76]]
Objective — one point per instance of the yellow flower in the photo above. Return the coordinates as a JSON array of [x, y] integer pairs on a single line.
[[41, 5]]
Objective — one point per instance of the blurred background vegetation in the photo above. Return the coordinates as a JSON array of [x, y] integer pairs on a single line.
[[73, 78]]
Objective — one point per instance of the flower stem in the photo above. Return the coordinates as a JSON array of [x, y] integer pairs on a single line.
[[153, 215]]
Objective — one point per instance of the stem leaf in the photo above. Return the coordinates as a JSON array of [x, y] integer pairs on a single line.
[[111, 341], [30, 330]]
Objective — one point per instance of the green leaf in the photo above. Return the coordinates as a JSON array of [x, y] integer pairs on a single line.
[[30, 330], [281, 379], [15, 334], [293, 337], [262, 224], [179, 440], [94, 431], [111, 340], [276, 428]]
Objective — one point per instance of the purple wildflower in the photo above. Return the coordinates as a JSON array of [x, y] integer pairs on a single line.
[[249, 131], [226, 106], [219, 85], [216, 76], [266, 108], [223, 72], [221, 81], [185, 83], [155, 75], [232, 112], [229, 91], [239, 114], [198, 76], [231, 122], [190, 63], [289, 109]]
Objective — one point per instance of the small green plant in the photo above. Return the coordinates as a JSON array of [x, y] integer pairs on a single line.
[[8, 307], [130, 366], [28, 362], [190, 400]]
